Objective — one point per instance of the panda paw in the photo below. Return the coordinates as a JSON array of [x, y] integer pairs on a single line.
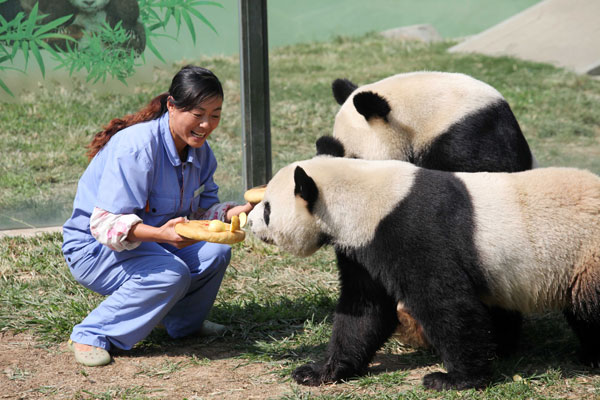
[[440, 381], [308, 374]]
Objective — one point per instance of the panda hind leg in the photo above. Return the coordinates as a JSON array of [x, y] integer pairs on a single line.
[[507, 326], [583, 314], [588, 333]]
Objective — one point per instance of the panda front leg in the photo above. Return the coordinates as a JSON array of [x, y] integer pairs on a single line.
[[460, 328], [364, 319]]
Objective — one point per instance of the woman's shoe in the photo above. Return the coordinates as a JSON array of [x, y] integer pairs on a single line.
[[212, 329], [94, 357]]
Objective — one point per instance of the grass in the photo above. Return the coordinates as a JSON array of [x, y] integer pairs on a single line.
[[280, 306]]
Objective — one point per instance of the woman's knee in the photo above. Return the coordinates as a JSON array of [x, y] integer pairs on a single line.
[[222, 255], [225, 254], [215, 257], [175, 275]]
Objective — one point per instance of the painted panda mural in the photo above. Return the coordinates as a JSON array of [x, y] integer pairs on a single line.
[[449, 246], [437, 120]]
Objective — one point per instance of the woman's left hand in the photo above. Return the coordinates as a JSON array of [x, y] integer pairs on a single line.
[[237, 210]]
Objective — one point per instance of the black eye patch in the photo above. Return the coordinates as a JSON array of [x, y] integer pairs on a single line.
[[267, 213]]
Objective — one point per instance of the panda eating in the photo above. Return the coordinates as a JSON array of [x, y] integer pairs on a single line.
[[437, 120], [451, 247]]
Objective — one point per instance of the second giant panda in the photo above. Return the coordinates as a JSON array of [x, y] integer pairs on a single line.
[[437, 120], [450, 246]]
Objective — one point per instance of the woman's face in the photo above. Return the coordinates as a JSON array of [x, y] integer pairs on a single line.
[[191, 128]]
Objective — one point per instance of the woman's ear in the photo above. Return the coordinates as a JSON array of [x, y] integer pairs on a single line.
[[170, 103]]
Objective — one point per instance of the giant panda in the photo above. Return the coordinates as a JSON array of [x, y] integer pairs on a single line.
[[437, 120], [449, 246]]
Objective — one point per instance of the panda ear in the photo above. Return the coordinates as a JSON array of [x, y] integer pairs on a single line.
[[330, 146], [370, 105], [342, 88], [305, 187]]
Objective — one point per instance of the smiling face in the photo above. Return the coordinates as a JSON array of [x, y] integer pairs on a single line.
[[192, 128]]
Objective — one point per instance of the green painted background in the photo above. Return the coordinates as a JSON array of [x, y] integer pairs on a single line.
[[293, 21]]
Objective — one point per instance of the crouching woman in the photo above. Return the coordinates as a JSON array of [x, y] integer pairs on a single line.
[[149, 171]]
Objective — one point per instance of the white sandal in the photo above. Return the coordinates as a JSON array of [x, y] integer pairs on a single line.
[[92, 358], [212, 329]]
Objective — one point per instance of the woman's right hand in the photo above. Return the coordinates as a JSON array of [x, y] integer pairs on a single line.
[[162, 234], [173, 238]]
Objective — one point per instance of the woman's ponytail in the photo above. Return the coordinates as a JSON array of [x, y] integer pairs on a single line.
[[154, 109]]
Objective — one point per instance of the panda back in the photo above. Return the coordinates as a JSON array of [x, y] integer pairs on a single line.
[[531, 231]]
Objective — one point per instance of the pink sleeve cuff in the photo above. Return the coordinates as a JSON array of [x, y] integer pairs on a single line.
[[112, 229]]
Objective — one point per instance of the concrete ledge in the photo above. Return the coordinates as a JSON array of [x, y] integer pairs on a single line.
[[30, 231], [565, 33]]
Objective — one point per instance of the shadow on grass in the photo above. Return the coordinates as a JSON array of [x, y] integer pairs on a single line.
[[547, 347], [547, 350]]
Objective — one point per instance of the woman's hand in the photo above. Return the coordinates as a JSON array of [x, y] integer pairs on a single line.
[[163, 234], [173, 238], [238, 210]]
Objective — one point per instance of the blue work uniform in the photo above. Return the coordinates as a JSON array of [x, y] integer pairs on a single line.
[[139, 172]]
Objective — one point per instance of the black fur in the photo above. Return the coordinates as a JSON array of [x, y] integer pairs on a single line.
[[507, 326], [364, 319], [370, 104], [342, 89], [433, 260], [267, 213], [587, 328], [305, 187], [328, 145], [490, 140]]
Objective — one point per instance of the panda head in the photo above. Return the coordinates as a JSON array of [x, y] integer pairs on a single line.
[[363, 112], [329, 200], [286, 215], [427, 118]]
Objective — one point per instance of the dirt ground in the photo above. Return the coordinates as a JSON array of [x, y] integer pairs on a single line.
[[31, 371]]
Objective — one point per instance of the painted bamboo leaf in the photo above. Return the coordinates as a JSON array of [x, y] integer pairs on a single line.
[[105, 53]]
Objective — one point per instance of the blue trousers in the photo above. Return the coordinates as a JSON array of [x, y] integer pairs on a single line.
[[145, 286]]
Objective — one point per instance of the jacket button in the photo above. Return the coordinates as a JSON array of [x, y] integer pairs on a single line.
[[154, 210]]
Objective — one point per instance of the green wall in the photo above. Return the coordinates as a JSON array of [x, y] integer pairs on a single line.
[[293, 21]]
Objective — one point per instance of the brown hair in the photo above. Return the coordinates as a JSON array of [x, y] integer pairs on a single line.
[[189, 88]]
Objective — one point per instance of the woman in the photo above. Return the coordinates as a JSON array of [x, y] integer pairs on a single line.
[[120, 240]]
